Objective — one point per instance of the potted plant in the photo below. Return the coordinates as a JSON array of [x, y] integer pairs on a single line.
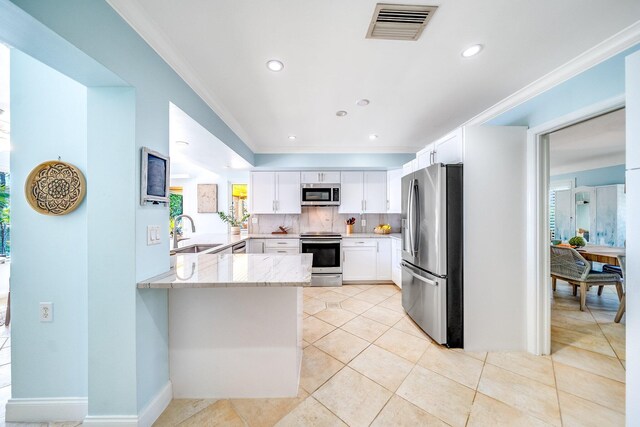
[[234, 222], [577, 241]]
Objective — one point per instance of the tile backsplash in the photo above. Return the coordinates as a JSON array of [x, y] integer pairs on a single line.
[[322, 219]]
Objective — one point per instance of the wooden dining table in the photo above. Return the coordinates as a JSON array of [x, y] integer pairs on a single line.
[[603, 254]]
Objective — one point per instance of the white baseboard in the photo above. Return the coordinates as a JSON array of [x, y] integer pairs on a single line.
[[46, 409], [147, 416], [111, 421], [150, 413]]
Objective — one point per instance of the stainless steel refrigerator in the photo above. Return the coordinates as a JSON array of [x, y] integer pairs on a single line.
[[432, 281]]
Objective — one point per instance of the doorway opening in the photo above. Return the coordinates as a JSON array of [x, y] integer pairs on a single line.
[[588, 235]]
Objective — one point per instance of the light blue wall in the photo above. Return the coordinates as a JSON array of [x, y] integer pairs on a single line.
[[49, 253], [594, 177], [601, 82], [343, 160], [111, 201]]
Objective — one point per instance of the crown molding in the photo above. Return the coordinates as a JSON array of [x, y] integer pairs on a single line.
[[604, 50], [134, 15], [343, 149]]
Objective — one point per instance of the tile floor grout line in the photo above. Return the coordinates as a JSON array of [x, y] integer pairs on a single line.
[[609, 341], [475, 392], [555, 379]]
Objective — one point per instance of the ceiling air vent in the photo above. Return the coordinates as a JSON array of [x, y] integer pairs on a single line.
[[399, 21]]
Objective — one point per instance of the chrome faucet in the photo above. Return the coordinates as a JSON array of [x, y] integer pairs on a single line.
[[176, 239]]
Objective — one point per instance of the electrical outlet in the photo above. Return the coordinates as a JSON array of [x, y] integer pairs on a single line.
[[254, 220], [46, 312], [153, 235], [363, 223]]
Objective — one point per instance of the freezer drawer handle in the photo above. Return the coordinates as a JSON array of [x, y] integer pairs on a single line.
[[423, 279]]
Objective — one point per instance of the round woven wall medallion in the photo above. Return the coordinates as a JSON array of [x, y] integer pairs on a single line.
[[55, 188]]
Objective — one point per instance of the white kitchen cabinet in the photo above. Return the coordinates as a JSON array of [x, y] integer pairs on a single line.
[[394, 189], [262, 188], [425, 156], [281, 251], [282, 244], [316, 177], [274, 192], [288, 193], [448, 150], [409, 167], [363, 192], [255, 246], [358, 262], [351, 186], [375, 192], [396, 258], [383, 259]]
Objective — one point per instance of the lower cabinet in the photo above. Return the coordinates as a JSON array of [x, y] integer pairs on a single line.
[[396, 257], [366, 259], [282, 246], [255, 246], [383, 259], [359, 263]]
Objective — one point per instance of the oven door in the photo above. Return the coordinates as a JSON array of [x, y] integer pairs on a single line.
[[326, 254]]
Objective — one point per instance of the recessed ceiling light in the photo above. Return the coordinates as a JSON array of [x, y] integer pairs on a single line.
[[373, 136], [341, 113], [292, 137], [472, 50], [362, 102], [275, 65], [182, 143]]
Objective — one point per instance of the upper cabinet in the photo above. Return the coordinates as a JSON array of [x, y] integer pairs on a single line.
[[326, 177], [447, 150], [275, 193], [363, 192], [394, 190], [410, 167]]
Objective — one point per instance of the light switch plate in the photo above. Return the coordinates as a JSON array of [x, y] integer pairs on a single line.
[[363, 222], [153, 235], [254, 220]]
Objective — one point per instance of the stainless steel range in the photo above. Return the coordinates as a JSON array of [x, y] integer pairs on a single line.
[[326, 248]]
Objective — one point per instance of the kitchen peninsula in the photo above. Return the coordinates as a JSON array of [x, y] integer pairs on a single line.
[[235, 323]]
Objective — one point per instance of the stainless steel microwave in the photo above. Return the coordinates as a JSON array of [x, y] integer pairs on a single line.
[[320, 194]]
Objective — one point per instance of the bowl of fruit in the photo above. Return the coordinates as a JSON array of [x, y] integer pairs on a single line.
[[382, 229]]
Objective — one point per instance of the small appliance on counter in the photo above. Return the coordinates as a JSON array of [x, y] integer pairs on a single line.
[[326, 247], [432, 280]]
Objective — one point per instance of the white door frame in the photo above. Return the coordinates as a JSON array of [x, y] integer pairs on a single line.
[[538, 279]]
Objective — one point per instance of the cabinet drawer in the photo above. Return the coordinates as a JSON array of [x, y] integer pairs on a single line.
[[282, 243], [354, 243], [282, 250]]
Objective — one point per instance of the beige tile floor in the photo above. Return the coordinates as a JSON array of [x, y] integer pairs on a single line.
[[366, 363]]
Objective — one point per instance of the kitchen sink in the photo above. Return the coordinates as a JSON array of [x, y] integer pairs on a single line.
[[194, 249]]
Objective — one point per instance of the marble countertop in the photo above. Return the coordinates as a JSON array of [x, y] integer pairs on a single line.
[[240, 270]]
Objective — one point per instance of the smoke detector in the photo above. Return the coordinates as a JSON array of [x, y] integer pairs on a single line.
[[399, 21]]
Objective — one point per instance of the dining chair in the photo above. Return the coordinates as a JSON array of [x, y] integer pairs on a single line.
[[623, 300], [567, 264]]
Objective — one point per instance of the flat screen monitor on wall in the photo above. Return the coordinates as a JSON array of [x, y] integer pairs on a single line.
[[154, 177]]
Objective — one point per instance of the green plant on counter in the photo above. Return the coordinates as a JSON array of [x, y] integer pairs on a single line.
[[577, 241], [232, 220]]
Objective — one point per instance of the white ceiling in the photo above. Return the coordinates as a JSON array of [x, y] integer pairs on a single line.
[[595, 143], [204, 151], [418, 90]]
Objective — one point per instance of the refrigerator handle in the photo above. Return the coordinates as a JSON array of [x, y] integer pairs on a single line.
[[416, 204], [410, 217], [417, 276]]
